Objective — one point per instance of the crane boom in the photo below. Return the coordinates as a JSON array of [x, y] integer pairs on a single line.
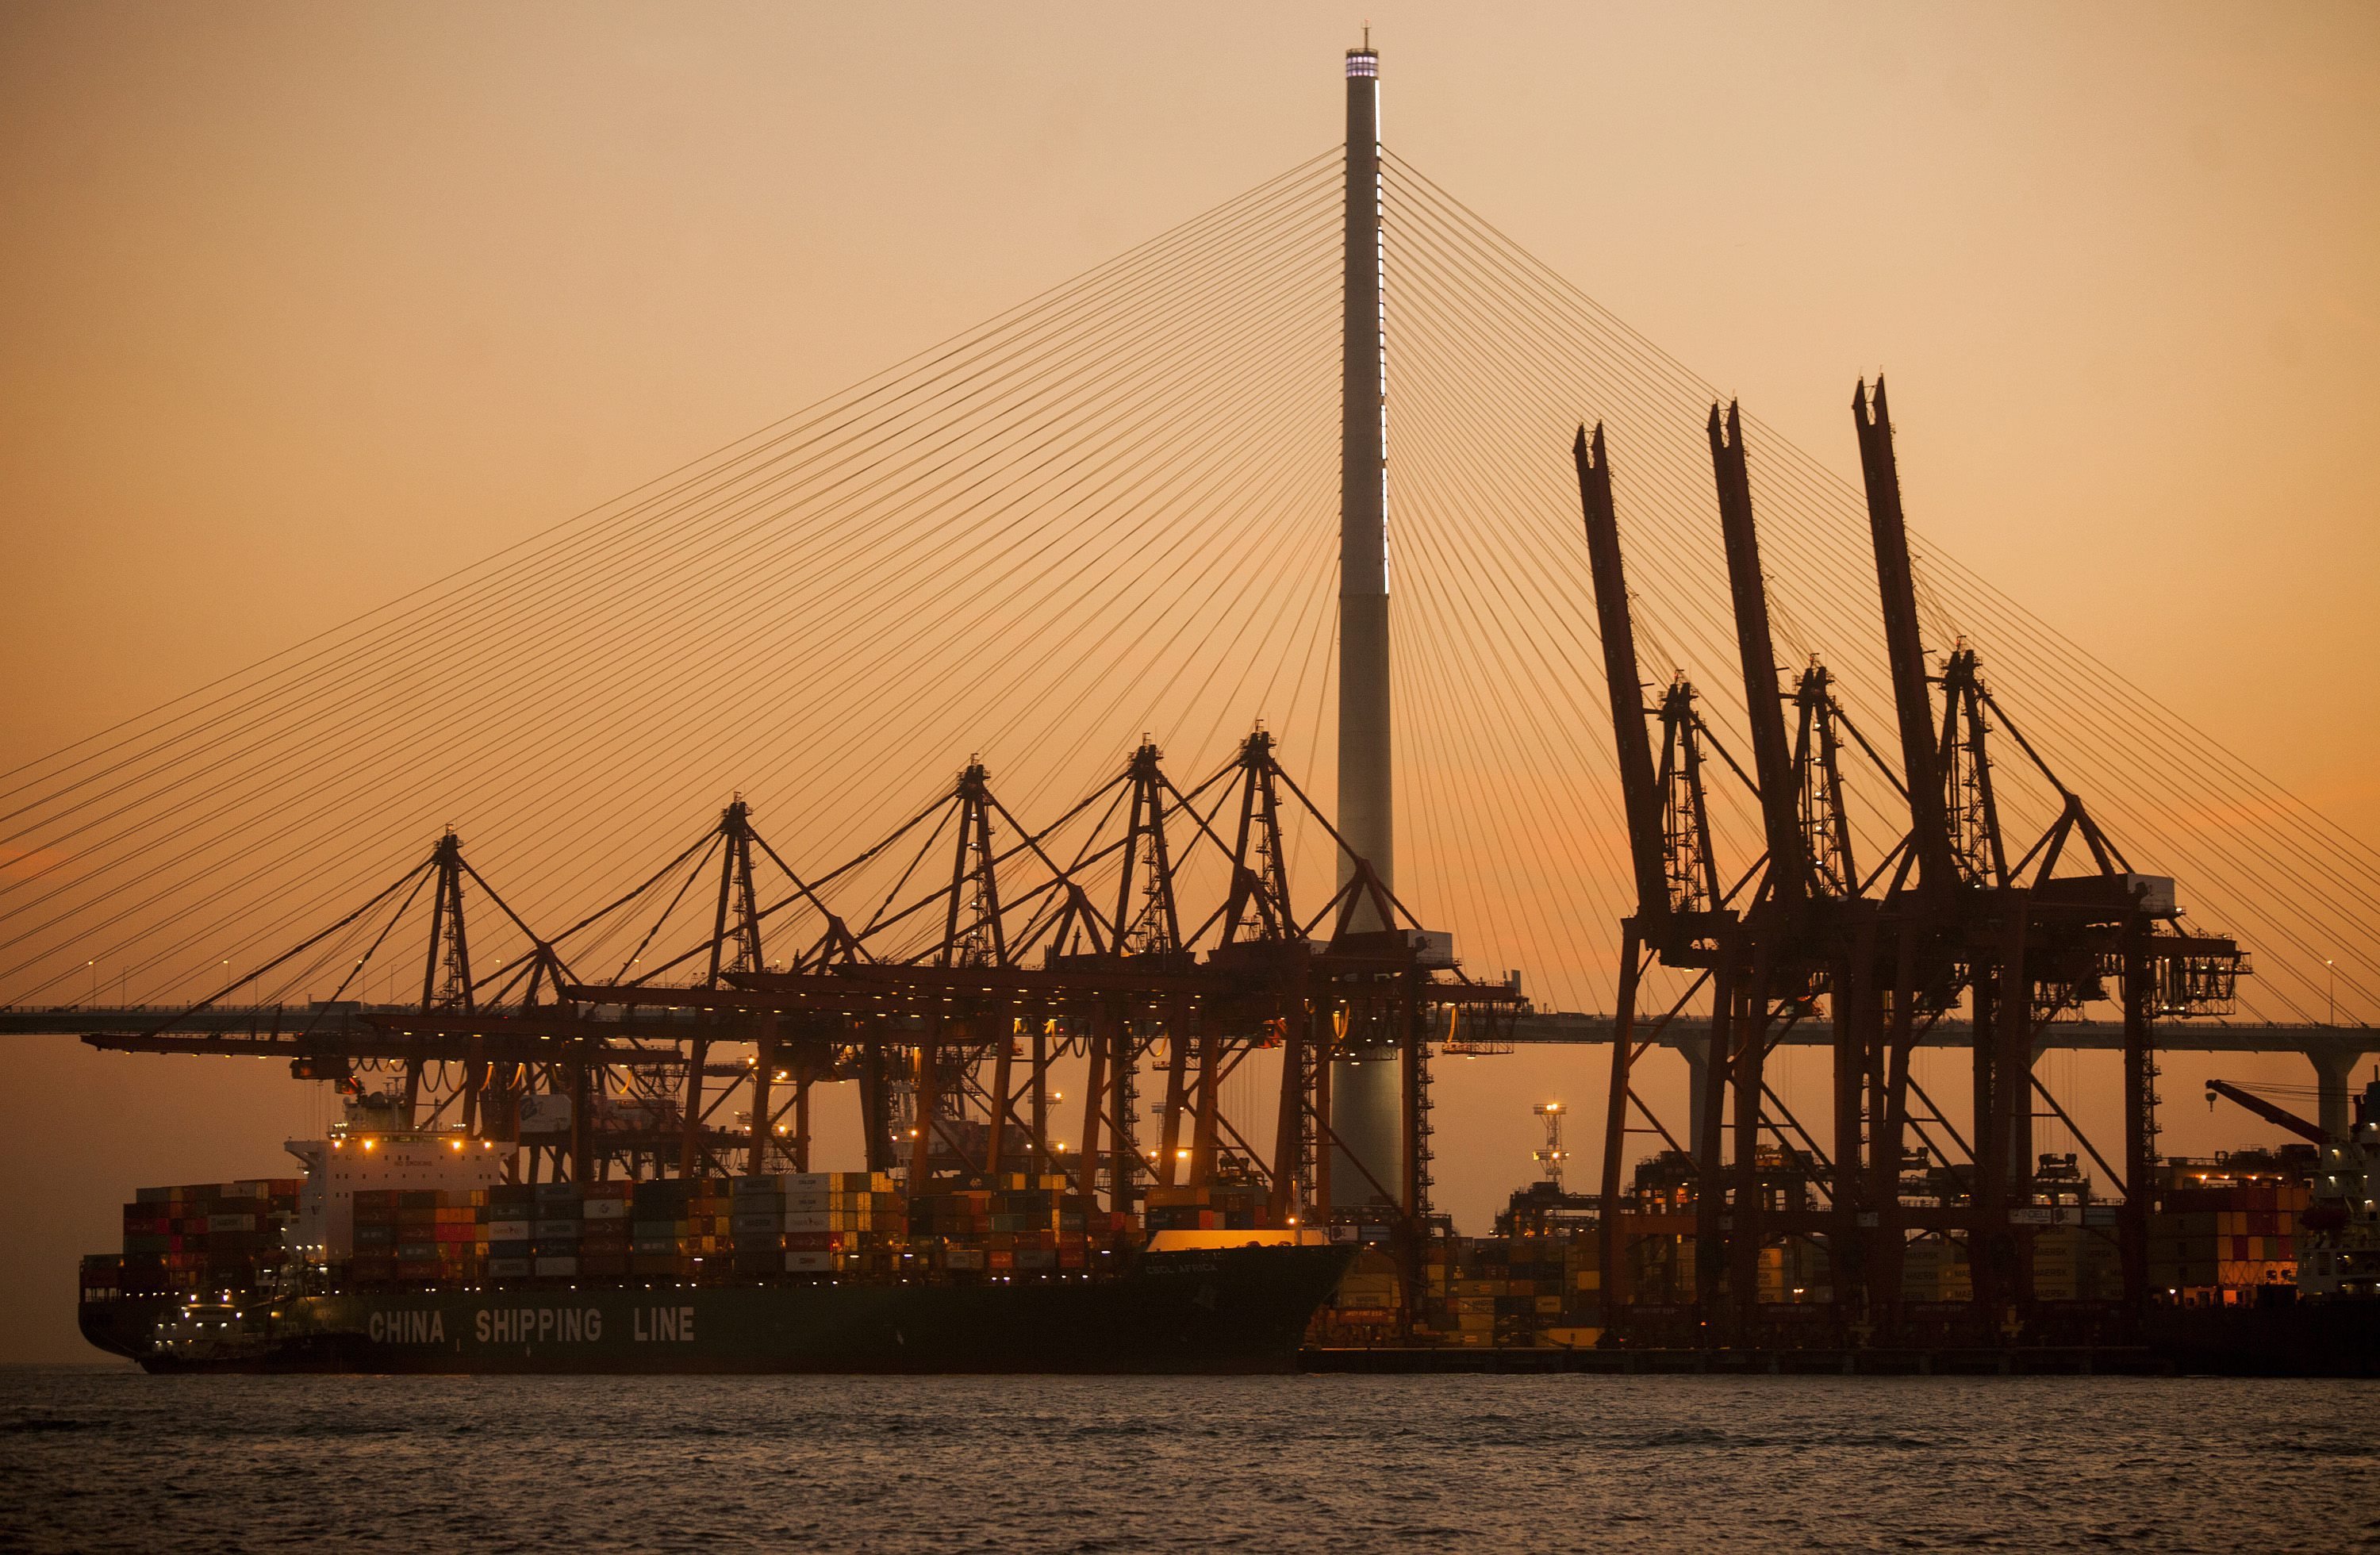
[[2280, 1117], [1763, 709], [1897, 588], [1640, 791]]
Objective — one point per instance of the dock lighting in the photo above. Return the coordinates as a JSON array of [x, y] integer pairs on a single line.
[[369, 1143]]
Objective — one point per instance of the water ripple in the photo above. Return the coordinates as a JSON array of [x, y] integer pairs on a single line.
[[104, 1460]]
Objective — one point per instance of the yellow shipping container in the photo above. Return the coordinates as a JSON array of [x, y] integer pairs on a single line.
[[2242, 1273]]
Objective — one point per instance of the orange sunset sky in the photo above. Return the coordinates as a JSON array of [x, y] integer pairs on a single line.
[[302, 309]]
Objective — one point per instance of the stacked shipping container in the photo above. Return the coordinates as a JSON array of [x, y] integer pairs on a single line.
[[1220, 1206], [1020, 1222], [2216, 1236], [207, 1235], [1482, 1292]]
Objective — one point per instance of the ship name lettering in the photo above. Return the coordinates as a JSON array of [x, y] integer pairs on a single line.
[[408, 1328], [665, 1325], [530, 1325]]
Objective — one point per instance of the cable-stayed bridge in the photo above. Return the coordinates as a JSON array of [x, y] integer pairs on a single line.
[[855, 744]]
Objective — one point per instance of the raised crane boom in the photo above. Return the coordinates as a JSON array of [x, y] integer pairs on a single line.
[[2280, 1117], [1896, 583], [1772, 757], [1640, 792]]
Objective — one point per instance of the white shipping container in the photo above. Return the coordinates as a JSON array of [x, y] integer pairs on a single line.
[[802, 1199], [809, 1220], [809, 1262], [509, 1231]]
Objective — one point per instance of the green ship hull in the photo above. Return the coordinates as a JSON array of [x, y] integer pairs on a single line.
[[1227, 1310]]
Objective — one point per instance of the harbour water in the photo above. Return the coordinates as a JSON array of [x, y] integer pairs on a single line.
[[100, 1458]]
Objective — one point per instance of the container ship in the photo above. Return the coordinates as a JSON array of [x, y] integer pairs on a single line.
[[2318, 1314], [406, 1251]]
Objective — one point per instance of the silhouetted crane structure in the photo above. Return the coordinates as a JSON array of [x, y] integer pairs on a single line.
[[951, 1039], [1803, 936], [1109, 507]]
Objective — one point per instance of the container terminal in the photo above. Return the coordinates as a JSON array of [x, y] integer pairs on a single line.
[[407, 1250], [543, 1166]]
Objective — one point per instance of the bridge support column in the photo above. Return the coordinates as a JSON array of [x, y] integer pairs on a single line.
[[1366, 1109], [2334, 1075], [764, 1071], [1177, 1055], [1696, 1051]]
